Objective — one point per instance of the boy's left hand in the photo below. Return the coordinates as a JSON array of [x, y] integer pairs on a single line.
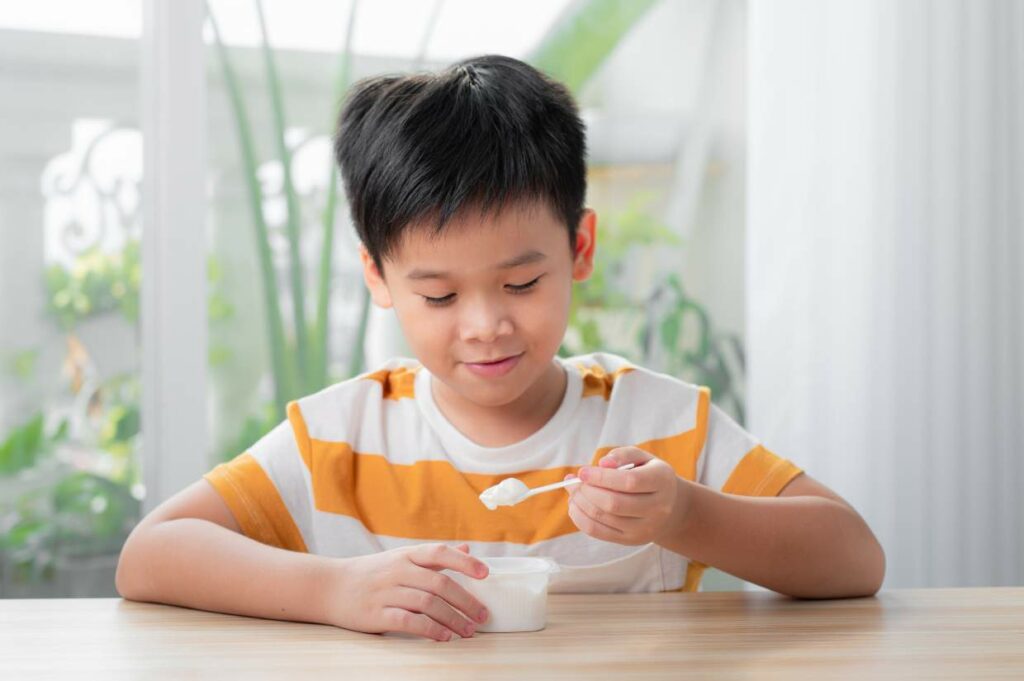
[[627, 507]]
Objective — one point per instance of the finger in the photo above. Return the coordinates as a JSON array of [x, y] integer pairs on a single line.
[[442, 557], [446, 588], [434, 607], [590, 525], [400, 619], [623, 455], [640, 479], [571, 489], [595, 513], [618, 504], [463, 547], [632, 481]]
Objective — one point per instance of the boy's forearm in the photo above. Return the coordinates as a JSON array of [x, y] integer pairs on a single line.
[[803, 546], [199, 564]]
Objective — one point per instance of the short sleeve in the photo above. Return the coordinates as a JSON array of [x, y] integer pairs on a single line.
[[735, 462], [267, 488]]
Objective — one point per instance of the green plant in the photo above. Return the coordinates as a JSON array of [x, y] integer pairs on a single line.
[[672, 329], [93, 513], [82, 514], [98, 282], [27, 443], [255, 426], [81, 511]]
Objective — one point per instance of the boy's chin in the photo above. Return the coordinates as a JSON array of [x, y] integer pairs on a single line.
[[487, 392], [495, 395]]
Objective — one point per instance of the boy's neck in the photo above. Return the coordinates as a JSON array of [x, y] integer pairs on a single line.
[[509, 423]]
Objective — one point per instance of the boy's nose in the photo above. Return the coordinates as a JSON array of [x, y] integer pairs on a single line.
[[485, 323]]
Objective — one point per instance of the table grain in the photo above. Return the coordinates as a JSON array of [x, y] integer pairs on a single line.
[[899, 634]]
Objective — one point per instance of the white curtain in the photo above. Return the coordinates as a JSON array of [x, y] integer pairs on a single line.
[[885, 320]]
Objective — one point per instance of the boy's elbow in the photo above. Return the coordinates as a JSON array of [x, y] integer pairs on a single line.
[[122, 580], [877, 572], [126, 580], [872, 575]]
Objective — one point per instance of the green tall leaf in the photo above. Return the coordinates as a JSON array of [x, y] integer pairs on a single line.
[[583, 37], [305, 382], [281, 360], [323, 308]]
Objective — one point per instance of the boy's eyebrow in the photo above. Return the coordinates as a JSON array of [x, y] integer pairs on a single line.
[[526, 258]]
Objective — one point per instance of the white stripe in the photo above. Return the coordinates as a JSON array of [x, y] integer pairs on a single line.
[[727, 444], [278, 455]]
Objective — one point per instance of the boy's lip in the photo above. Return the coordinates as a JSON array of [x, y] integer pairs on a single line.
[[495, 360], [494, 368]]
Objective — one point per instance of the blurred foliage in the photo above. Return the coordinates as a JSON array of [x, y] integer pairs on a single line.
[[255, 426], [673, 331], [23, 364], [98, 282], [89, 508], [585, 34], [27, 443]]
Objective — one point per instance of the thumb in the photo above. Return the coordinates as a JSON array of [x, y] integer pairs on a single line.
[[463, 547], [620, 456]]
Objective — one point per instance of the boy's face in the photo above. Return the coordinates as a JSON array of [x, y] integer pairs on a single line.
[[488, 288]]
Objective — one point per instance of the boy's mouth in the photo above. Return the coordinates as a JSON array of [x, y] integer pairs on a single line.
[[498, 367]]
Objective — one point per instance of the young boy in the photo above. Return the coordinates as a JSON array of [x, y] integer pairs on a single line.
[[467, 190]]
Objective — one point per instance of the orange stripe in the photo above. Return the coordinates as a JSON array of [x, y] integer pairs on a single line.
[[396, 383], [703, 405], [681, 451], [694, 573], [254, 501], [695, 570], [596, 381], [433, 500], [760, 474], [301, 434]]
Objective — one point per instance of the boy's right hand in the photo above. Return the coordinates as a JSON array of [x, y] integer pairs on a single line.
[[403, 590]]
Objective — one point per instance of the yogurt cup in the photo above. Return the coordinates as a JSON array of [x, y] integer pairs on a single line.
[[515, 592]]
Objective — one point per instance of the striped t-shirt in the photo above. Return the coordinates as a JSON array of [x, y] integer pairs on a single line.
[[371, 463]]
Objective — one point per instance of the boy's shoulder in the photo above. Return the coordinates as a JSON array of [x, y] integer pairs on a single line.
[[354, 399], [641, 405], [609, 374]]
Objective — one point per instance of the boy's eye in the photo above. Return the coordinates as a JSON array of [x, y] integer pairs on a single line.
[[512, 288], [443, 300], [520, 288]]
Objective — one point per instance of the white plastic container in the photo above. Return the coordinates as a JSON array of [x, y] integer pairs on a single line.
[[515, 592]]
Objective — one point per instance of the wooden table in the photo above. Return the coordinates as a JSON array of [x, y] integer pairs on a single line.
[[912, 634]]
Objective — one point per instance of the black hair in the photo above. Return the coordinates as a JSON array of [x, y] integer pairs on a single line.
[[483, 133]]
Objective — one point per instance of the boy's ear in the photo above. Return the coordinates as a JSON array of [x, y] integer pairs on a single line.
[[586, 235], [379, 292]]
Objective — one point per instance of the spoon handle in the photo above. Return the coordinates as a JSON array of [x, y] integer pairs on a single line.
[[567, 483]]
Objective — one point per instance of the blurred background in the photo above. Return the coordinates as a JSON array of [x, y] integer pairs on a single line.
[[812, 207]]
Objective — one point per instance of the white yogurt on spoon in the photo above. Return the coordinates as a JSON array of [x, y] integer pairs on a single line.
[[508, 492]]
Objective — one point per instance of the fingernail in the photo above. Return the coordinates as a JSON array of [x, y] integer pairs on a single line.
[[469, 630], [447, 636], [482, 616], [584, 474]]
